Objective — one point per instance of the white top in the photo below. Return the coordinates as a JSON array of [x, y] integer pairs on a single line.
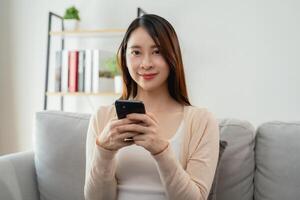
[[137, 174]]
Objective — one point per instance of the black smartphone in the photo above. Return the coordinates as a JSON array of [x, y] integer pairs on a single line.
[[125, 107]]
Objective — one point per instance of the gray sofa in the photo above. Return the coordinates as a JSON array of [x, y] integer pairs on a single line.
[[257, 164]]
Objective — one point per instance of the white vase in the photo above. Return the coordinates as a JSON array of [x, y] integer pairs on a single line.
[[71, 24], [106, 84], [118, 84]]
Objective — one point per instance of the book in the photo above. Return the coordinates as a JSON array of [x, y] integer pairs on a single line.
[[73, 71], [88, 70], [81, 57]]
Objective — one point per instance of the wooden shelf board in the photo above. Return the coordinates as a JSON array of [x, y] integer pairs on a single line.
[[82, 94], [87, 32]]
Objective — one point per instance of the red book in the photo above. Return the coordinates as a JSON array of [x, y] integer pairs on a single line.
[[73, 71]]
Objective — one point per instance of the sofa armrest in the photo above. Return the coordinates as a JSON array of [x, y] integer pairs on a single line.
[[18, 177]]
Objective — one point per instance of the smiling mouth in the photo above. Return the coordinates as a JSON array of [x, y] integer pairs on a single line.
[[148, 76]]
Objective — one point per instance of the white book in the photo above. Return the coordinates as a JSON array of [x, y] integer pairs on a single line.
[[65, 71], [81, 70], [88, 71], [99, 58]]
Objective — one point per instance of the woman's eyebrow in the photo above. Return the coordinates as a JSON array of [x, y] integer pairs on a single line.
[[154, 46], [135, 47], [139, 47]]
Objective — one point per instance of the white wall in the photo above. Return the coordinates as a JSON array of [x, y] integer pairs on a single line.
[[8, 133], [240, 56]]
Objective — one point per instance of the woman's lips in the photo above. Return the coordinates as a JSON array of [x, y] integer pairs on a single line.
[[148, 76]]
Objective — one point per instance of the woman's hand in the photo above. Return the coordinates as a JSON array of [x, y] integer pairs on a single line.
[[149, 136], [113, 137]]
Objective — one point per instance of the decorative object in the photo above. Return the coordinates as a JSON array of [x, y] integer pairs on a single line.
[[106, 84], [114, 71], [118, 83], [71, 18]]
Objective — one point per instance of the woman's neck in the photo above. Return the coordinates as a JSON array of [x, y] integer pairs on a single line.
[[157, 101]]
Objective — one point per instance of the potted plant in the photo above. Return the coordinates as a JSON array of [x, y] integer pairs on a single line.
[[71, 18], [112, 71]]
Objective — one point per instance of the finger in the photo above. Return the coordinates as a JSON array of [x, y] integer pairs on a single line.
[[139, 137], [132, 128], [126, 135], [127, 139], [141, 143], [142, 118], [119, 122], [126, 143]]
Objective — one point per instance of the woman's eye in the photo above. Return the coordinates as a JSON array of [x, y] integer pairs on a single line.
[[156, 52], [135, 53]]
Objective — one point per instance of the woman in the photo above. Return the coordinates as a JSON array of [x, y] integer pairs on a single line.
[[175, 146]]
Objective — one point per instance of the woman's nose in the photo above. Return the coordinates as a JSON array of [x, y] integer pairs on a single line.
[[146, 63]]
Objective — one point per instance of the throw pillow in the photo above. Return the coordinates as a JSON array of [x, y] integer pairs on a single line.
[[213, 191]]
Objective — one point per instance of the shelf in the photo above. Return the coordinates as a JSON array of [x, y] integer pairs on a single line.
[[87, 32], [63, 36], [82, 94]]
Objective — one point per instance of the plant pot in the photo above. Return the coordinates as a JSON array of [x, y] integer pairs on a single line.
[[118, 84], [71, 24], [106, 84]]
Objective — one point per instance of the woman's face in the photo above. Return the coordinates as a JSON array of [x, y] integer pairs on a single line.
[[146, 65]]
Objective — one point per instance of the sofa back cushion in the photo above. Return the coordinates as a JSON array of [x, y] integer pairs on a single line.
[[277, 150], [236, 170], [60, 154]]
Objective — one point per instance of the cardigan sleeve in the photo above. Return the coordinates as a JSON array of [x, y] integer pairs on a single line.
[[193, 183], [100, 182]]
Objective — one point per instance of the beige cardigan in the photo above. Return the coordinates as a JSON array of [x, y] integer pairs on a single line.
[[190, 178]]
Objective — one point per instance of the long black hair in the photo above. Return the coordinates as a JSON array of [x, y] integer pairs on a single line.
[[164, 36]]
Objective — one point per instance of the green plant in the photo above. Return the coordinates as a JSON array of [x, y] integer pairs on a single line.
[[72, 13], [111, 66]]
